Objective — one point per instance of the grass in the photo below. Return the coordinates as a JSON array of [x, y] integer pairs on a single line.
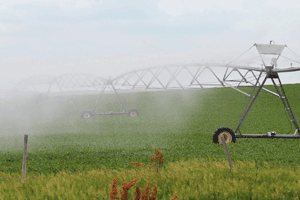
[[179, 123], [192, 179]]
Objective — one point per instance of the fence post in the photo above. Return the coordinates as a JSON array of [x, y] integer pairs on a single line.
[[226, 152], [24, 159]]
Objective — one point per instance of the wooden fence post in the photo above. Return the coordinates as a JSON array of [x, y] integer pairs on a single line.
[[226, 152], [24, 159]]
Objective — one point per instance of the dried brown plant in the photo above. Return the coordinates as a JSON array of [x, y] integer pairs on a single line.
[[153, 193], [138, 196], [159, 159], [145, 194], [137, 164], [175, 197], [138, 193], [126, 187], [114, 192]]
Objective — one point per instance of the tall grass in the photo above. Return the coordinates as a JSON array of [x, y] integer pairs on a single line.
[[192, 179]]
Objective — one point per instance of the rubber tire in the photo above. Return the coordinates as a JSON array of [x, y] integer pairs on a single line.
[[87, 114], [221, 130], [133, 113]]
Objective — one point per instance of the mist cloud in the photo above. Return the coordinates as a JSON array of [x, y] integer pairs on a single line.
[[110, 37]]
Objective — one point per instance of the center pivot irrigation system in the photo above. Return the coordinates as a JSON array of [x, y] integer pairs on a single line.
[[270, 72], [208, 75], [268, 66]]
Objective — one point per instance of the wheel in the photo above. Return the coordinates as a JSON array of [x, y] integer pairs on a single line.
[[221, 132], [87, 114], [70, 101], [133, 113]]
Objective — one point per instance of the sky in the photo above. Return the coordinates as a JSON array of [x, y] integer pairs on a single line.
[[110, 37]]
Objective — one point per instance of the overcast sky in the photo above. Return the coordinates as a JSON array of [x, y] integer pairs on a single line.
[[108, 37]]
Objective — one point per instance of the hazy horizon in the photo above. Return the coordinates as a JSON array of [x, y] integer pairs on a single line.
[[108, 38]]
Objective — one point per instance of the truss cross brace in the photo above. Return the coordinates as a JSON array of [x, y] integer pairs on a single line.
[[281, 94]]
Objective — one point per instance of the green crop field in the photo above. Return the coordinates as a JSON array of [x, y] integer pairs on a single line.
[[178, 123]]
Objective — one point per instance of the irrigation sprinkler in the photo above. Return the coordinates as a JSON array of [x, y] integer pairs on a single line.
[[271, 72], [109, 83]]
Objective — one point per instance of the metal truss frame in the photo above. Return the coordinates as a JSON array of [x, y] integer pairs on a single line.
[[267, 72], [174, 77], [30, 85], [273, 76], [77, 81], [73, 83], [82, 81], [233, 76]]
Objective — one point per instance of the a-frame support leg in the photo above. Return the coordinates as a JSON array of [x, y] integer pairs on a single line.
[[281, 94], [285, 101], [250, 102]]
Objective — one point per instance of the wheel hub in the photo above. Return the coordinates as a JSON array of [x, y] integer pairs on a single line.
[[228, 138], [133, 114]]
